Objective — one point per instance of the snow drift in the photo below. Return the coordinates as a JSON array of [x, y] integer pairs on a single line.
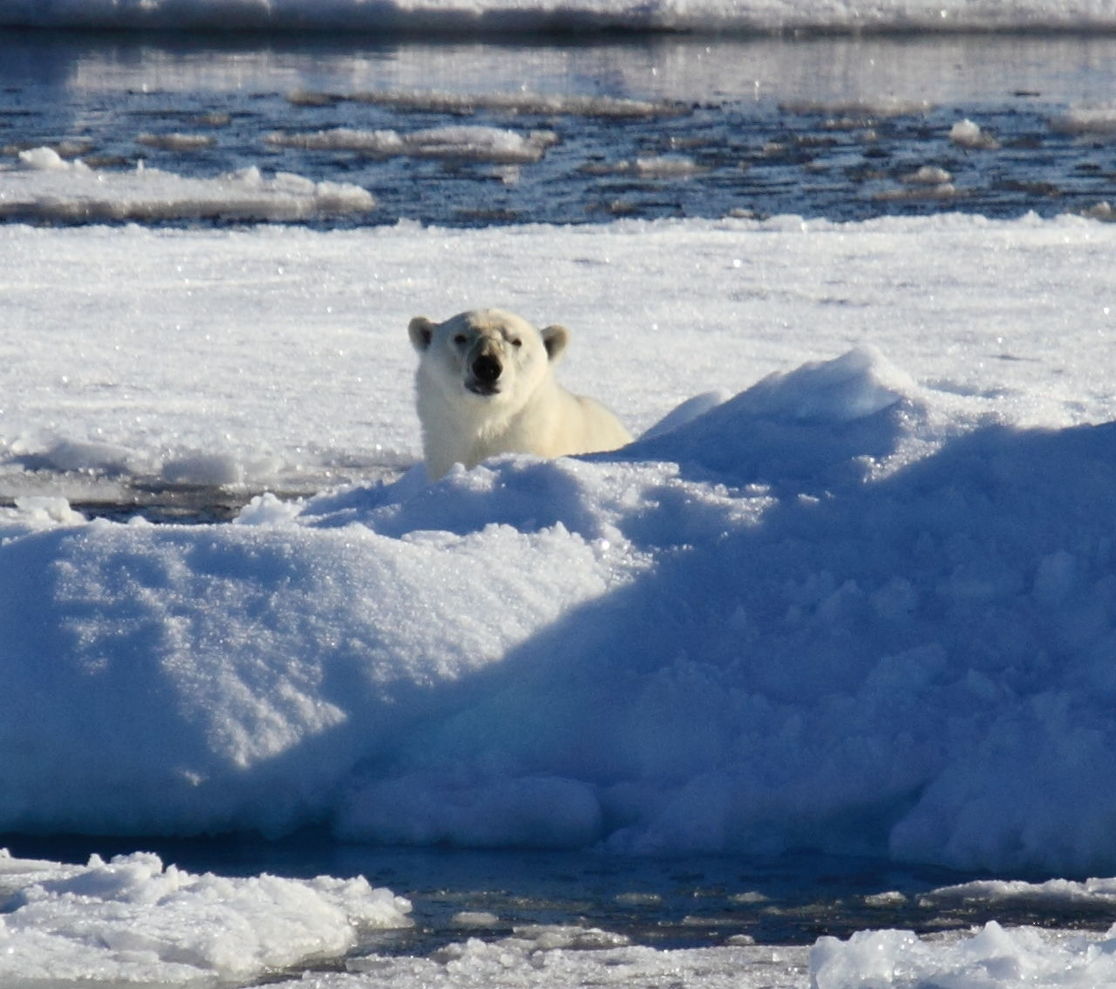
[[819, 614]]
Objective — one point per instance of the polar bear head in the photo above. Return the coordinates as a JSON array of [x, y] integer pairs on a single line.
[[486, 355]]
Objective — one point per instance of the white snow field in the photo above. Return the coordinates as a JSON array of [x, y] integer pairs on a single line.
[[857, 594]]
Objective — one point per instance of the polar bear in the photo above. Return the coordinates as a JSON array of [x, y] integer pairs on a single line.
[[485, 385]]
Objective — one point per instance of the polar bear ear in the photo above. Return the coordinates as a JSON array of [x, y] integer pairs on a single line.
[[555, 338], [421, 331]]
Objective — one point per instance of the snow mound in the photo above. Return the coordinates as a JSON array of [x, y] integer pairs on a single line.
[[822, 613]]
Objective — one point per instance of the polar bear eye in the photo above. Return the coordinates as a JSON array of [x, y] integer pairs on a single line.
[[516, 342], [460, 339]]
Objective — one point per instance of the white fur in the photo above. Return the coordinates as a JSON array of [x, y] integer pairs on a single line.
[[526, 411]]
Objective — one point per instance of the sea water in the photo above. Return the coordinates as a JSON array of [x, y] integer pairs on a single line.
[[469, 134], [675, 902]]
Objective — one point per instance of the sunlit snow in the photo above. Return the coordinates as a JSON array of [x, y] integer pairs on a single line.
[[852, 589]]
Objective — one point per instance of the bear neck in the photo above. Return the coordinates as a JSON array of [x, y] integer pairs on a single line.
[[469, 432]]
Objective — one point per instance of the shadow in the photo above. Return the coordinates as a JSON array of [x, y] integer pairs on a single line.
[[800, 645], [921, 666]]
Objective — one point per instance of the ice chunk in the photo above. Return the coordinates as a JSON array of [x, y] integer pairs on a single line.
[[1097, 120], [994, 958], [132, 920], [966, 134], [462, 142], [49, 188], [44, 510]]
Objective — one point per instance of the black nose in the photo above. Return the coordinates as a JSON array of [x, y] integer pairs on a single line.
[[486, 369]]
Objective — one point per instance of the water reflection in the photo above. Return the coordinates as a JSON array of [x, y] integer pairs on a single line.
[[970, 68]]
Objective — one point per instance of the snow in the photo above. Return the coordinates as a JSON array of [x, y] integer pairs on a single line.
[[853, 589], [45, 187], [135, 921], [503, 16], [843, 608], [993, 957], [146, 360]]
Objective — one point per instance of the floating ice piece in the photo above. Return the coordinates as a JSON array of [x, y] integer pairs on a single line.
[[1099, 120], [372, 142], [47, 511], [928, 175], [463, 143], [552, 936], [993, 958], [491, 144], [45, 187], [48, 160], [266, 509], [926, 182], [177, 142], [534, 104], [654, 167], [1101, 211], [132, 920], [208, 469], [966, 134], [475, 919], [1050, 895]]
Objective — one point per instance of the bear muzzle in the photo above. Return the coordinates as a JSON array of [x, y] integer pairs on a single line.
[[484, 374]]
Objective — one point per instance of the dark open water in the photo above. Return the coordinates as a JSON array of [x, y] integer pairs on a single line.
[[793, 898], [842, 128]]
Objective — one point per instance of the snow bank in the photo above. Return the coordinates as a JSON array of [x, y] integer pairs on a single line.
[[821, 613], [866, 603], [45, 187], [472, 16], [134, 921]]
